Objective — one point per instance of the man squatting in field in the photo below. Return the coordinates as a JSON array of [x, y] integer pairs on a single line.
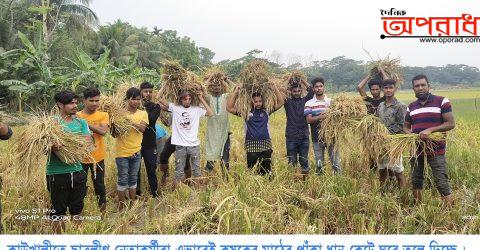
[[98, 123], [314, 112], [429, 114], [392, 114], [5, 134], [185, 124], [66, 182], [258, 143]]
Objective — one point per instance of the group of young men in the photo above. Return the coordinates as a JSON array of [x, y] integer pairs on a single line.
[[67, 183]]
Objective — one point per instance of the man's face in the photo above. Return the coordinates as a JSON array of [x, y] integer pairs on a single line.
[[217, 89], [92, 103], [319, 88], [69, 108], [421, 87], [146, 94], [375, 91], [296, 92], [389, 90], [135, 102], [257, 102], [186, 101]]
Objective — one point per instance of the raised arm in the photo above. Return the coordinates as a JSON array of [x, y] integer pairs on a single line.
[[162, 102], [231, 100], [361, 86], [280, 98], [205, 104]]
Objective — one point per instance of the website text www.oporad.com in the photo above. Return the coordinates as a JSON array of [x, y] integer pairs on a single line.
[[450, 39]]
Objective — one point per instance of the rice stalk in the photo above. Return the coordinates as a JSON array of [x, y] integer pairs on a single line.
[[391, 67]]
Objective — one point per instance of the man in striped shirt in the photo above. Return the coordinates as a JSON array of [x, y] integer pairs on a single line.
[[429, 114], [315, 112]]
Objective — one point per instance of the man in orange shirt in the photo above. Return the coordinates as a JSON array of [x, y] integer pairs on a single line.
[[98, 123]]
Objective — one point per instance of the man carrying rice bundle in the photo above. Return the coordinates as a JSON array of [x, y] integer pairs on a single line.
[[217, 144], [66, 182], [429, 114], [149, 145], [258, 143], [314, 112], [5, 134], [98, 123], [128, 146], [296, 132], [392, 114], [185, 124]]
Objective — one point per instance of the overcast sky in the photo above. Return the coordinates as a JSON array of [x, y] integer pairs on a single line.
[[311, 29]]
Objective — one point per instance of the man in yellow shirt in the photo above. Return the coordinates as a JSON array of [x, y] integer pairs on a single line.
[[98, 123], [128, 157]]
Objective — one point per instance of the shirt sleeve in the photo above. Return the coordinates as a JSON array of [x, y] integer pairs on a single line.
[[307, 110], [171, 107], [105, 119], [408, 118], [145, 117], [8, 135], [446, 106], [85, 129]]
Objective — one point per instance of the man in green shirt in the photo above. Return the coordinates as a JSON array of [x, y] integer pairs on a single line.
[[66, 182]]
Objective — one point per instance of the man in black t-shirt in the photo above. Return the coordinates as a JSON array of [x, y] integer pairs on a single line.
[[149, 142], [375, 86]]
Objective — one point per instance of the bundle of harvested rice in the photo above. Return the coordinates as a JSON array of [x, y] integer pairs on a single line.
[[391, 68], [341, 119], [398, 144], [35, 142], [373, 137], [293, 78], [216, 76], [256, 78], [176, 79], [116, 107]]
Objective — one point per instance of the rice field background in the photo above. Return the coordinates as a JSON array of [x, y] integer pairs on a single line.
[[244, 203]]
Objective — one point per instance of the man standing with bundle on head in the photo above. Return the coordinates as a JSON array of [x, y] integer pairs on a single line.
[[296, 132], [314, 111], [217, 139], [185, 124], [5, 134], [67, 183], [427, 115], [392, 114], [258, 143], [149, 143], [98, 123]]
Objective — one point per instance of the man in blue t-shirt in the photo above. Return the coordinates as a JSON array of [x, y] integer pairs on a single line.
[[296, 132], [258, 143], [66, 182]]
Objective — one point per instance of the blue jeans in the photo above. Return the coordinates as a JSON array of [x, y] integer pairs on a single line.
[[127, 171], [319, 150], [297, 151]]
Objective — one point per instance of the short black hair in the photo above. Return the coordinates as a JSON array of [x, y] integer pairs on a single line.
[[65, 97], [389, 82], [373, 82], [146, 85], [418, 77], [90, 92], [257, 94], [317, 79], [132, 93]]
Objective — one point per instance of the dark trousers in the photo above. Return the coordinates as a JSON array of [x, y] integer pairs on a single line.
[[297, 151], [264, 159], [149, 156], [225, 157], [98, 179]]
